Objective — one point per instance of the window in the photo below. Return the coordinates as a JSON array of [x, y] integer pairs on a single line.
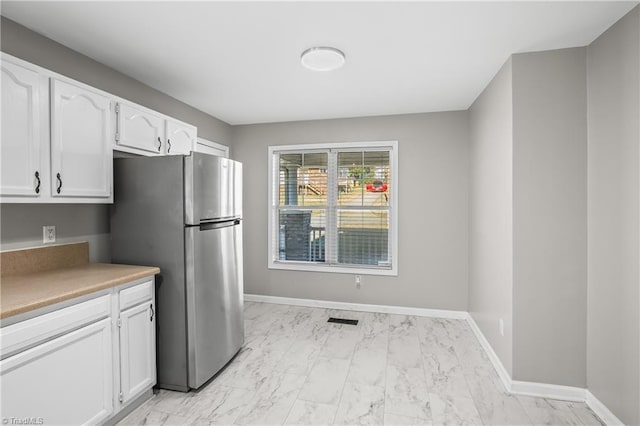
[[333, 207]]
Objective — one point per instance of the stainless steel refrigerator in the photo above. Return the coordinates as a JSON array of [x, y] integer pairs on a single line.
[[184, 215]]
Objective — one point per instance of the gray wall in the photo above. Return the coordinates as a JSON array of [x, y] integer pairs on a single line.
[[550, 217], [613, 251], [528, 222], [433, 197], [21, 226], [22, 223], [491, 214]]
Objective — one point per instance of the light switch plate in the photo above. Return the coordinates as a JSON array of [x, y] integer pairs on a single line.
[[48, 234]]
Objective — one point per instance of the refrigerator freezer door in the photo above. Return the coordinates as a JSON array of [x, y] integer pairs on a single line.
[[215, 324], [213, 188]]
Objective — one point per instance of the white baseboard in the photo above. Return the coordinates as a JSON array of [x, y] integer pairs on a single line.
[[542, 390], [493, 357], [601, 410], [546, 390], [517, 387], [360, 307]]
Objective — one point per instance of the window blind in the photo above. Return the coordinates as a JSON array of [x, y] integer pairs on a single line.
[[333, 207]]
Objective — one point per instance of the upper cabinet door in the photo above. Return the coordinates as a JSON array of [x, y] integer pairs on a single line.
[[137, 128], [21, 171], [81, 154], [181, 137]]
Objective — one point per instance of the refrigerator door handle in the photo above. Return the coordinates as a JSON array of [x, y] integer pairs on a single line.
[[219, 225]]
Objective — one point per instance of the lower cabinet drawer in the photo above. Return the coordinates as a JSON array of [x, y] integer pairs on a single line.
[[67, 380], [27, 333], [135, 295]]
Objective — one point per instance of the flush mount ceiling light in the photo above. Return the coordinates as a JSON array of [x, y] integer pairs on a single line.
[[322, 58]]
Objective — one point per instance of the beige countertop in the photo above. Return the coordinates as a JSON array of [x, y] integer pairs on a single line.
[[37, 277], [26, 292]]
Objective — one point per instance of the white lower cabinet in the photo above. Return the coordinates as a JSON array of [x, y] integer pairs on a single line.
[[137, 351], [67, 380], [83, 363]]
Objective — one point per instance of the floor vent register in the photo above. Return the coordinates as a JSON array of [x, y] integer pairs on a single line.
[[343, 321]]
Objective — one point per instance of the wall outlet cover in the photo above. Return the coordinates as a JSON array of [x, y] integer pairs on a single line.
[[48, 234]]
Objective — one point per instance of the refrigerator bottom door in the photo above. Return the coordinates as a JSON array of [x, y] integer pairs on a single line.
[[215, 322]]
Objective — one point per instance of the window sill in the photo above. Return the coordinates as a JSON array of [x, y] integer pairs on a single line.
[[355, 270]]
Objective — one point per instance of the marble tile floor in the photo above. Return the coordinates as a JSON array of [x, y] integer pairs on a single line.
[[297, 369]]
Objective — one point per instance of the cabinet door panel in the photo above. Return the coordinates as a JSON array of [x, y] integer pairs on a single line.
[[68, 380], [180, 138], [137, 350], [140, 129], [80, 150], [20, 143]]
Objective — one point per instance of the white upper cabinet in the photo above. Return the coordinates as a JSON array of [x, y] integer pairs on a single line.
[[55, 145], [58, 136], [21, 168], [139, 128], [181, 137], [81, 158]]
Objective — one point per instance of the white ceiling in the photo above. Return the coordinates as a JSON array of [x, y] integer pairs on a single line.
[[240, 61]]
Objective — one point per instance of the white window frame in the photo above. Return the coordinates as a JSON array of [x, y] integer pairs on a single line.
[[273, 177]]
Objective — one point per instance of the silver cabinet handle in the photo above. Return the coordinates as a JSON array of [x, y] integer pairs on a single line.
[[117, 122], [159, 144], [168, 146]]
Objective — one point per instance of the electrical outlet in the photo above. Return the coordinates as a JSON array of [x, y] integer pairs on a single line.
[[501, 327], [48, 234], [358, 281]]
